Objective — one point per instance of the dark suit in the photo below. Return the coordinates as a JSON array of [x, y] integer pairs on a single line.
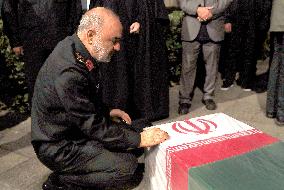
[[197, 36], [71, 132]]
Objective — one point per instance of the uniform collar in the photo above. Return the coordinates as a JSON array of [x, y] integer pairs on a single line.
[[82, 54]]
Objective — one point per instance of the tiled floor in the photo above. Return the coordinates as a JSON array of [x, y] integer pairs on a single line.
[[20, 169]]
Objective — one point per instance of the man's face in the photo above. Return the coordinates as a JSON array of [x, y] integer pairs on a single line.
[[107, 41]]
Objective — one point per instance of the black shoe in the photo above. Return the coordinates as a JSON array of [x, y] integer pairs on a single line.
[[209, 104], [245, 87], [226, 85], [183, 108], [279, 121], [270, 115], [52, 183], [238, 82], [259, 89]]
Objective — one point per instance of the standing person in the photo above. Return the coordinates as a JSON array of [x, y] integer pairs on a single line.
[[275, 88], [116, 88], [140, 86], [228, 62], [202, 28], [150, 68], [35, 27], [72, 133], [247, 22]]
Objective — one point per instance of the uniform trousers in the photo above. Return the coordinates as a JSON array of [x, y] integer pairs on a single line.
[[87, 163]]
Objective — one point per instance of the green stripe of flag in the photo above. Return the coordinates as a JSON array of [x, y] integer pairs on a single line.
[[262, 169]]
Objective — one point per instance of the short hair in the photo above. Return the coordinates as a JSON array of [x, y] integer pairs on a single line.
[[90, 21], [94, 19]]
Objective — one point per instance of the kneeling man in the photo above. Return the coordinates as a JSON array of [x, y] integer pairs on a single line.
[[72, 131]]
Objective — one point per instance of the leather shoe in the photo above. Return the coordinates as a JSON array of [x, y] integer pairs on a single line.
[[279, 121], [52, 183], [183, 108], [209, 104], [270, 115], [259, 89]]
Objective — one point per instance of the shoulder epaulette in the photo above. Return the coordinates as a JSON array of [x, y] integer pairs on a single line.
[[87, 62]]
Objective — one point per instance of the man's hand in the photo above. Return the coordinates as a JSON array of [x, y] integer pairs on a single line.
[[134, 28], [18, 50], [153, 136], [121, 114], [204, 13], [228, 27]]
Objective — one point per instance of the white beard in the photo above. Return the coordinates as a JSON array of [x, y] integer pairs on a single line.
[[103, 54]]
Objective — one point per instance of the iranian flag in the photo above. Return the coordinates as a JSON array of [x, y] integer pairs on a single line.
[[215, 152]]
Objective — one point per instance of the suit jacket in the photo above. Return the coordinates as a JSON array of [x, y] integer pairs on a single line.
[[277, 16], [191, 25]]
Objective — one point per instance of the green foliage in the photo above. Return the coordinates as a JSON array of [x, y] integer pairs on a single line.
[[174, 45], [13, 87], [265, 48]]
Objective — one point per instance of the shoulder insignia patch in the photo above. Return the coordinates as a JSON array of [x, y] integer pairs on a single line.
[[88, 63]]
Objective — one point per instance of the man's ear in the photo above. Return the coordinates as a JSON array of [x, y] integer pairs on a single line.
[[90, 36]]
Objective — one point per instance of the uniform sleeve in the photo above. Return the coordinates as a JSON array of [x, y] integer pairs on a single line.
[[9, 13], [72, 89]]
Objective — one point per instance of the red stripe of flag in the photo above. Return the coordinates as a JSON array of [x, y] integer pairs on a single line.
[[199, 153]]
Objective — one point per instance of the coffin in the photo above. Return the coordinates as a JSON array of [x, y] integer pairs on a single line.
[[214, 152]]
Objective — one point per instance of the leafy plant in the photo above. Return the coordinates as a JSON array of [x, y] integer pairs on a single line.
[[174, 45], [13, 86]]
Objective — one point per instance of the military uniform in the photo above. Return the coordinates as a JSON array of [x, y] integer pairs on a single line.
[[71, 132]]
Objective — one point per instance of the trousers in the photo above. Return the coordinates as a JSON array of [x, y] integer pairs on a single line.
[[87, 163], [191, 51]]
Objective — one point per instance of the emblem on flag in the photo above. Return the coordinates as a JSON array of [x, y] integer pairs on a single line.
[[187, 126]]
